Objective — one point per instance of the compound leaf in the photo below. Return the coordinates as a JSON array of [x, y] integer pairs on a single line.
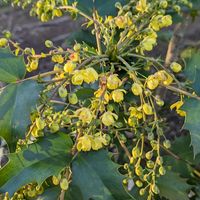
[[173, 187], [96, 177], [192, 108], [12, 68], [39, 161], [17, 100]]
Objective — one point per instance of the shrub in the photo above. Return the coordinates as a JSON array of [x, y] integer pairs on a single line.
[[95, 126]]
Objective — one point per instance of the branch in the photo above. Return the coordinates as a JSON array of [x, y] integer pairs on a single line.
[[174, 46]]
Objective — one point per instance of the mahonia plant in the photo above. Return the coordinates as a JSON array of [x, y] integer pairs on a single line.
[[105, 96]]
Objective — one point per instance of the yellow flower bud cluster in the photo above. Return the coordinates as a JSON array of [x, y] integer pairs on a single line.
[[135, 114], [32, 65], [162, 77], [94, 142], [160, 21]]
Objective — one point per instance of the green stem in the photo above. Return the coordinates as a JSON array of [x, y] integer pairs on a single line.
[[76, 10]]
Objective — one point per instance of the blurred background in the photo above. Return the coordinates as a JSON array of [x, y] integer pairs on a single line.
[[30, 32]]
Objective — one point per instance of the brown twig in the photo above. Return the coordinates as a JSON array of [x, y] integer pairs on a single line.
[[123, 146], [174, 46]]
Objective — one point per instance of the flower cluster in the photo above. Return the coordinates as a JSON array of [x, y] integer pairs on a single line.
[[102, 95]]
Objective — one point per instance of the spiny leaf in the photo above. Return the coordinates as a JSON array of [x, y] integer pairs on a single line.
[[96, 177], [12, 68], [39, 161], [173, 187], [16, 103], [192, 121], [192, 71]]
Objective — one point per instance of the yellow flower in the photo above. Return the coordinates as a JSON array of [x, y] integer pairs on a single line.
[[108, 118], [69, 67], [156, 22], [96, 144], [152, 82], [90, 75], [74, 57], [136, 89], [177, 105], [166, 20], [118, 95], [123, 21], [120, 22], [135, 112], [85, 143], [3, 42], [132, 121], [176, 67], [147, 109], [164, 77], [113, 82], [57, 59], [142, 6], [77, 78], [108, 19], [101, 93], [34, 64], [84, 114], [148, 43], [182, 113]]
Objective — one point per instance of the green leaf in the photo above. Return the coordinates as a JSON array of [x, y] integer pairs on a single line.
[[192, 121], [103, 7], [85, 93], [181, 147], [192, 71], [39, 161], [173, 187], [50, 193], [96, 177], [12, 68], [16, 103]]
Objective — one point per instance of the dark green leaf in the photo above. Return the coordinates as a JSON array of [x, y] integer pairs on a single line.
[[85, 93], [192, 121], [50, 193], [192, 71], [181, 147], [173, 187], [12, 68], [39, 161], [16, 103], [103, 7], [96, 177]]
